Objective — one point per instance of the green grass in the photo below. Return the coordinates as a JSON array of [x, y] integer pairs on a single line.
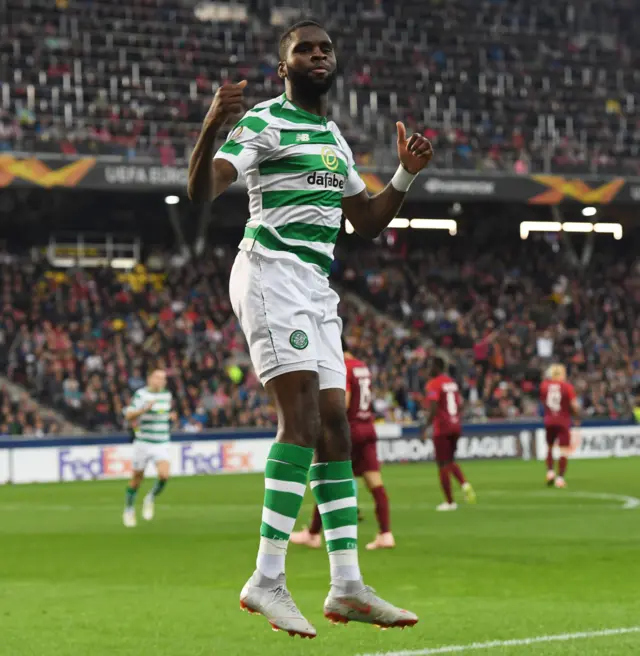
[[527, 561]]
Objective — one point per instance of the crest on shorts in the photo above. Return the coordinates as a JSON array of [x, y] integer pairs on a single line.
[[236, 133], [299, 340], [329, 158]]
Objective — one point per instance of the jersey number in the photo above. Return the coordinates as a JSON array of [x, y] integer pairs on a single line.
[[452, 404], [365, 394], [554, 398]]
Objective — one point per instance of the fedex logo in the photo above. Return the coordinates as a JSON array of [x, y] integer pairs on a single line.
[[107, 462], [213, 458]]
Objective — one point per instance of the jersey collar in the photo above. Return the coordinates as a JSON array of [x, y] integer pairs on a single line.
[[312, 118]]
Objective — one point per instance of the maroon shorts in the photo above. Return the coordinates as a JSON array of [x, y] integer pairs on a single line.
[[561, 434], [445, 446], [364, 449]]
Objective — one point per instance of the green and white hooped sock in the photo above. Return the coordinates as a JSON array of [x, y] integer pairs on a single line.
[[130, 498], [159, 485], [285, 482], [335, 493]]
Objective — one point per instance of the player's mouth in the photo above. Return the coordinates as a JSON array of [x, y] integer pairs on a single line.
[[320, 70]]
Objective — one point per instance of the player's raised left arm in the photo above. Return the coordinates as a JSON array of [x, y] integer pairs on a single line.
[[370, 215]]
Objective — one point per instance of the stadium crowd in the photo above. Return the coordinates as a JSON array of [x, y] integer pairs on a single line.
[[503, 84], [504, 314], [81, 341]]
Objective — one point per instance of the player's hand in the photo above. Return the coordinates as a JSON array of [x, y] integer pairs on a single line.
[[148, 406], [226, 104], [416, 152]]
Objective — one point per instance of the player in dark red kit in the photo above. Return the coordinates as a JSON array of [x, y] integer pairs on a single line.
[[560, 404], [443, 407], [364, 456]]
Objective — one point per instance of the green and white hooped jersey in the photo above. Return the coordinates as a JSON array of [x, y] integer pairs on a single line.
[[297, 167], [154, 425]]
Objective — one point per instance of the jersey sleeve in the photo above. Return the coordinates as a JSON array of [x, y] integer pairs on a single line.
[[136, 403], [249, 143], [433, 391], [571, 393], [543, 391], [353, 183]]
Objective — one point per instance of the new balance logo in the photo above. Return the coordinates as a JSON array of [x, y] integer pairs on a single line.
[[325, 180], [303, 137]]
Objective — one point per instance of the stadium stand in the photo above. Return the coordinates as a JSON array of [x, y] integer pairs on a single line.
[[81, 340], [504, 312], [499, 85]]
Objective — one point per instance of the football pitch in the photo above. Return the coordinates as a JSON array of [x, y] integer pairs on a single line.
[[527, 564]]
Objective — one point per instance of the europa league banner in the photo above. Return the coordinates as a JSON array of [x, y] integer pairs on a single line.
[[489, 442], [93, 173]]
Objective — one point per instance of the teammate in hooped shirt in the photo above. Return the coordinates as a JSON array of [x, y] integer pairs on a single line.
[[560, 404], [364, 456], [443, 406]]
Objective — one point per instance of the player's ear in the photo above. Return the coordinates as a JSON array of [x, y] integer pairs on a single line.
[[282, 70]]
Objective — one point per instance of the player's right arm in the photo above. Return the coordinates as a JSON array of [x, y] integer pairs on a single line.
[[431, 408], [209, 177], [137, 408]]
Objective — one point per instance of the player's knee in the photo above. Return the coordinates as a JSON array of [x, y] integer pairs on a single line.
[[305, 431], [373, 479], [336, 443], [296, 398], [443, 463]]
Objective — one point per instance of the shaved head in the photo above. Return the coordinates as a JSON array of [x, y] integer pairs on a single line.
[[287, 37]]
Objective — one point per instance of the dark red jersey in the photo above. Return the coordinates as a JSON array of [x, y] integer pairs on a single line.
[[359, 385], [557, 398], [444, 391]]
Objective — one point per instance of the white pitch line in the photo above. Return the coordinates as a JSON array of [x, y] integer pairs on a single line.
[[628, 502], [475, 646]]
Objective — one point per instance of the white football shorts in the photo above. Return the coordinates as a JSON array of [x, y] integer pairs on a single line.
[[289, 316], [146, 452]]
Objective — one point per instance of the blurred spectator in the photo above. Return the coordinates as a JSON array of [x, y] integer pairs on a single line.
[[515, 86]]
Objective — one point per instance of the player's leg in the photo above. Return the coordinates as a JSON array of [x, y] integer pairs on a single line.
[[564, 441], [458, 474], [295, 396], [335, 491], [445, 483], [373, 480], [551, 435], [444, 458], [310, 536], [163, 468], [364, 455], [139, 463], [271, 300]]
